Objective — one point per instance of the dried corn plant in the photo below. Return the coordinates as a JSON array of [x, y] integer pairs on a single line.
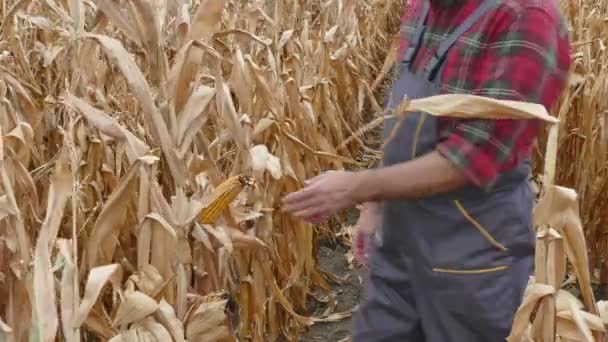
[[549, 312], [583, 136], [570, 216], [144, 149]]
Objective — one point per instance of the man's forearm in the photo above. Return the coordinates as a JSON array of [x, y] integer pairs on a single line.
[[425, 176]]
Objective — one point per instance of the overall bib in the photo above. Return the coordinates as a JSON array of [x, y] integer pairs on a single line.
[[453, 267]]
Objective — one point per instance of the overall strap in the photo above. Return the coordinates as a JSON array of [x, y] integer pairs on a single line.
[[431, 70], [412, 50]]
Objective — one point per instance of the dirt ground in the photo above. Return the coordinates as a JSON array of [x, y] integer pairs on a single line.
[[347, 295]]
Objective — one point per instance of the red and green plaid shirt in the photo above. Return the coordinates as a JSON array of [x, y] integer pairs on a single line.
[[518, 51]]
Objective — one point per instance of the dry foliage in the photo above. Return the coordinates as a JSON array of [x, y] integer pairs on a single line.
[[144, 148], [549, 312], [583, 135], [570, 216], [145, 144]]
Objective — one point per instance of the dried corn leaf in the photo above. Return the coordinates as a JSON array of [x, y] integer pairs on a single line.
[[5, 208], [181, 75], [472, 106], [335, 317], [5, 332], [127, 336], [563, 300], [589, 321], [103, 239], [140, 88], [113, 11], [242, 240], [76, 8], [602, 306], [19, 139], [69, 292], [135, 306], [166, 316], [580, 323], [153, 331], [145, 331], [558, 208], [227, 111], [98, 277], [135, 147], [150, 26], [276, 291], [148, 280], [206, 20], [44, 282], [163, 246], [28, 108], [568, 331], [207, 322], [182, 24], [193, 116], [534, 294]]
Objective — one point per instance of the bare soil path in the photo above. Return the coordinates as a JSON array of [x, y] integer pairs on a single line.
[[348, 294]]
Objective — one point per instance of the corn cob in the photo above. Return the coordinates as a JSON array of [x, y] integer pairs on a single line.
[[223, 195]]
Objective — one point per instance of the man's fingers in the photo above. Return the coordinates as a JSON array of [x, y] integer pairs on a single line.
[[313, 211], [315, 179], [304, 203], [297, 208], [299, 196]]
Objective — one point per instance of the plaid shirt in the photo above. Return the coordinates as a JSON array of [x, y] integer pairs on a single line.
[[518, 51]]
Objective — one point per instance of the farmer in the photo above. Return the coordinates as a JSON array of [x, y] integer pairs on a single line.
[[452, 199]]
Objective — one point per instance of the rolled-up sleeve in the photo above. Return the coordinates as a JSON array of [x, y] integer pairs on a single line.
[[530, 55]]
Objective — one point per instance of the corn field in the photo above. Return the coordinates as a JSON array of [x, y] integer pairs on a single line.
[[146, 144], [571, 251]]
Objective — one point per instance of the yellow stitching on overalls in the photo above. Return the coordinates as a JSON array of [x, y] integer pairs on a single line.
[[479, 227], [473, 271], [417, 134]]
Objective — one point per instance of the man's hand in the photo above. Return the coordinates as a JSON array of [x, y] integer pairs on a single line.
[[330, 192], [323, 196]]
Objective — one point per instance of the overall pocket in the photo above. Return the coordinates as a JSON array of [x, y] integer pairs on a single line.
[[473, 238], [484, 303]]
